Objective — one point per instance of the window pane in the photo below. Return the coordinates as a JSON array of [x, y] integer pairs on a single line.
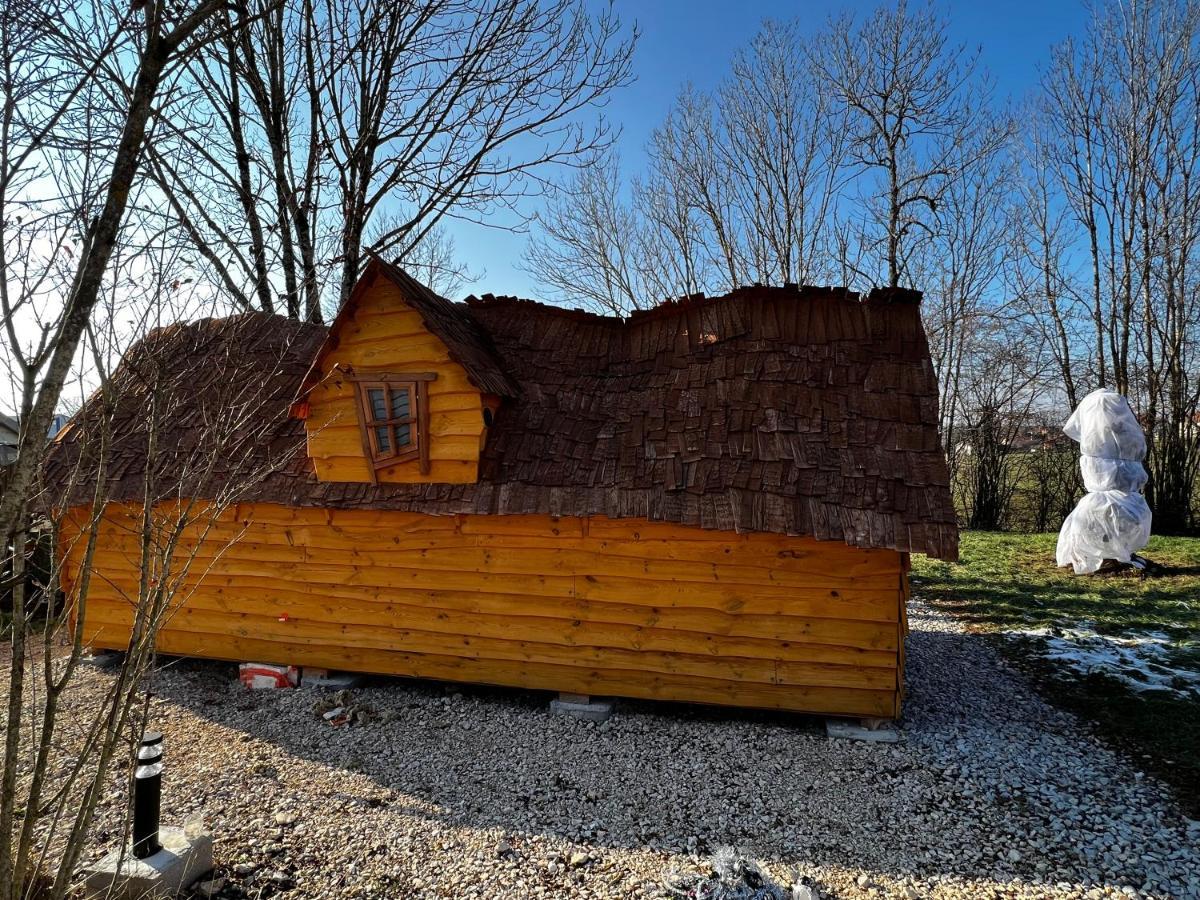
[[400, 405], [383, 440], [378, 404], [403, 435]]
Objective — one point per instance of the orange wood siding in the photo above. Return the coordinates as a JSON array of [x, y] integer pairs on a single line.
[[604, 607], [385, 335]]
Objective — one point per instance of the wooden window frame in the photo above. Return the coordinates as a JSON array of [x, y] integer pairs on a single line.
[[417, 385]]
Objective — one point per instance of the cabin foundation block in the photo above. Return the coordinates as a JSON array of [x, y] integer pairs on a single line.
[[581, 706], [880, 731], [324, 679], [102, 659], [120, 876]]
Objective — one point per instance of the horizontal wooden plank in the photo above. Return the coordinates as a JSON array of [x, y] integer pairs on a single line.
[[513, 649], [762, 599], [838, 633], [397, 337], [597, 681], [569, 622], [344, 442], [748, 561], [354, 470], [406, 349], [381, 355], [401, 319], [573, 557], [383, 297], [343, 402], [394, 520], [588, 557]]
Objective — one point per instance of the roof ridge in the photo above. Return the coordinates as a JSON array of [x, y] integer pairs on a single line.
[[491, 301], [205, 323], [700, 300], [671, 306]]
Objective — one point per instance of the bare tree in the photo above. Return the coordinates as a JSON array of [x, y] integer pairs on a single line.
[[913, 100], [434, 261], [244, 167], [52, 57], [57, 776], [81, 84], [961, 265], [1006, 368], [1072, 107], [590, 248], [1121, 113], [1040, 277], [740, 188], [784, 146], [329, 118]]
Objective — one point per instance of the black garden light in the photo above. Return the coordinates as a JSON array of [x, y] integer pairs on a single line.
[[147, 795]]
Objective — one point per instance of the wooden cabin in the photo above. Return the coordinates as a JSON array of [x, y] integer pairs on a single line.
[[713, 500]]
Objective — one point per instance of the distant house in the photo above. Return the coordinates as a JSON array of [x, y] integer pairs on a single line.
[[1018, 434], [1041, 438], [10, 435], [712, 501]]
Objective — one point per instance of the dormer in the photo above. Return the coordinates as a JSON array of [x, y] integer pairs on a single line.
[[403, 389]]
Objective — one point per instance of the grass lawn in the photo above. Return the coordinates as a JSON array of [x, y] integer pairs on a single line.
[[1122, 652]]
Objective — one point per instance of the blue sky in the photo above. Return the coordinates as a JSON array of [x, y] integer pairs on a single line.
[[693, 40]]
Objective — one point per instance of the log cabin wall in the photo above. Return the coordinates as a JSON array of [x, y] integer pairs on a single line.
[[594, 606]]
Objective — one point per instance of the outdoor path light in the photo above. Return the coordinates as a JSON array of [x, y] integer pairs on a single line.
[[147, 795], [164, 859]]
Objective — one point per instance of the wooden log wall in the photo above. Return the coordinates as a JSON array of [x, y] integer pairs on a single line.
[[591, 606], [388, 336]]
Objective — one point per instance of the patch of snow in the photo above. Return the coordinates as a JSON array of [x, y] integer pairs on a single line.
[[1140, 660]]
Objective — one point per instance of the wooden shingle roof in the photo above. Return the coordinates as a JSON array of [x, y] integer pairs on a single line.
[[804, 411]]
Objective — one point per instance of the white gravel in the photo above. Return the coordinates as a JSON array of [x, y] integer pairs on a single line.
[[474, 792]]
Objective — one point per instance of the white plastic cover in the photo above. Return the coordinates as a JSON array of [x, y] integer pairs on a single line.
[[1112, 474], [1105, 426], [1104, 525], [1112, 521]]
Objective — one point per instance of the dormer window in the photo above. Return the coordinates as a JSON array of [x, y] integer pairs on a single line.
[[393, 413], [390, 409]]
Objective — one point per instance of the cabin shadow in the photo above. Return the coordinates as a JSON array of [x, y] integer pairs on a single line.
[[659, 774]]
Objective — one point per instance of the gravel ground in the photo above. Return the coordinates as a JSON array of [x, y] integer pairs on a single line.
[[481, 793]]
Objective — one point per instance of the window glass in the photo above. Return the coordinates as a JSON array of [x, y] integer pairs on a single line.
[[400, 403], [383, 439], [388, 416], [378, 405]]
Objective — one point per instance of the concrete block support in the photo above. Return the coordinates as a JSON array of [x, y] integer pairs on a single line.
[[880, 731], [330, 681], [120, 876], [102, 659], [581, 706]]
